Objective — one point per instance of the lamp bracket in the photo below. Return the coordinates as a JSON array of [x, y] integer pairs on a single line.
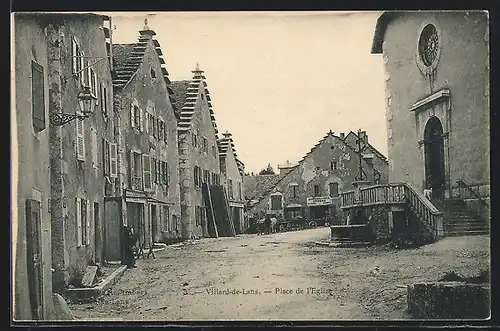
[[59, 119]]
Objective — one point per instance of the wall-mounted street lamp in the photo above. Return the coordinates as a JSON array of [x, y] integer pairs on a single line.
[[87, 102]]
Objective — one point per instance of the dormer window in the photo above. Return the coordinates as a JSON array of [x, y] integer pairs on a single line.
[[153, 73]]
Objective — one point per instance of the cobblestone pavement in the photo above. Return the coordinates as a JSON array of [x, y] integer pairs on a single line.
[[280, 276]]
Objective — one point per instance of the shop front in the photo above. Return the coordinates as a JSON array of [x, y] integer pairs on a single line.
[[320, 210]]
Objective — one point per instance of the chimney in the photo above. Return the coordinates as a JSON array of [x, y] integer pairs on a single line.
[[364, 137], [342, 135]]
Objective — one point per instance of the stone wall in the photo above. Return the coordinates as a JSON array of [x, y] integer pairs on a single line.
[[30, 166]]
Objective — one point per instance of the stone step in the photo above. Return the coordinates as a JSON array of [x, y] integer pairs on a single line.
[[465, 233]]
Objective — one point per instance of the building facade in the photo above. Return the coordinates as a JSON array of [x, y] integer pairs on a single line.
[[31, 221], [149, 200], [311, 190], [437, 99], [78, 58], [232, 172], [198, 153]]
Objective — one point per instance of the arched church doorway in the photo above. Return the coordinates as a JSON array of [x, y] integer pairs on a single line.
[[434, 157]]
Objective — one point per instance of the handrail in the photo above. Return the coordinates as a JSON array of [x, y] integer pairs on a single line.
[[393, 193], [474, 193]]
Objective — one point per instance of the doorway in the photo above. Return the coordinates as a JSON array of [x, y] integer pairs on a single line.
[[34, 262], [434, 157]]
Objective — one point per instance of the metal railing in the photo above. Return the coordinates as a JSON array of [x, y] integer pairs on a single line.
[[462, 184]]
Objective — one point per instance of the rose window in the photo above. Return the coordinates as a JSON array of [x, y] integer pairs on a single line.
[[428, 45]]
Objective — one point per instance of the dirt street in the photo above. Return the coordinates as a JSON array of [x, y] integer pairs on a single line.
[[280, 276]]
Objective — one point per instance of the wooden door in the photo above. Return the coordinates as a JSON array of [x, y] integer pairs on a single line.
[[34, 263]]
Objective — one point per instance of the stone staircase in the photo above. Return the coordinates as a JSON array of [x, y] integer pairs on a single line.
[[459, 220]]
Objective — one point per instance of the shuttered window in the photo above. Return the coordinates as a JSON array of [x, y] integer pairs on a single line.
[[154, 177], [80, 140], [167, 170], [158, 171], [141, 120], [334, 189], [37, 97], [74, 55], [165, 133], [132, 115], [131, 170], [146, 170], [82, 221], [113, 162], [105, 156], [104, 100]]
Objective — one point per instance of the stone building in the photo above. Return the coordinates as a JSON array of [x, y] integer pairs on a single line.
[[198, 152], [437, 99], [311, 189], [232, 172], [148, 174], [30, 129], [79, 46]]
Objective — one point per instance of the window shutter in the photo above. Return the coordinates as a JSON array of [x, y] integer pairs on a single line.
[[74, 54], [146, 170], [78, 222], [82, 68], [132, 115], [141, 126], [80, 140], [37, 96], [89, 75], [165, 133], [113, 155], [146, 122], [89, 215], [95, 161]]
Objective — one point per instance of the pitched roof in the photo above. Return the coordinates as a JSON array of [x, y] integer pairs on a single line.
[[179, 89], [190, 97], [223, 145], [330, 133], [127, 59], [256, 186]]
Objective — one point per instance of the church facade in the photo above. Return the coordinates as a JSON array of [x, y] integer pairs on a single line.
[[437, 99]]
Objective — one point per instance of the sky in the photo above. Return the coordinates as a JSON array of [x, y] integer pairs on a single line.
[[278, 81]]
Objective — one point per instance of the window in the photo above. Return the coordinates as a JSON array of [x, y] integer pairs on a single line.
[[92, 80], [153, 73], [154, 174], [334, 190], [158, 172], [195, 140], [157, 128], [150, 123], [37, 97], [333, 165], [214, 151], [136, 117], [316, 191], [293, 190], [276, 202], [78, 62], [240, 192], [146, 171], [113, 160], [165, 173], [80, 140], [93, 135], [135, 170]]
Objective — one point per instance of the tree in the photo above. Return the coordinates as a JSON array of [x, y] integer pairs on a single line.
[[268, 171]]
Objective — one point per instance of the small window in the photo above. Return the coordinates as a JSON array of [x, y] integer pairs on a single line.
[[333, 165], [153, 73], [293, 191]]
